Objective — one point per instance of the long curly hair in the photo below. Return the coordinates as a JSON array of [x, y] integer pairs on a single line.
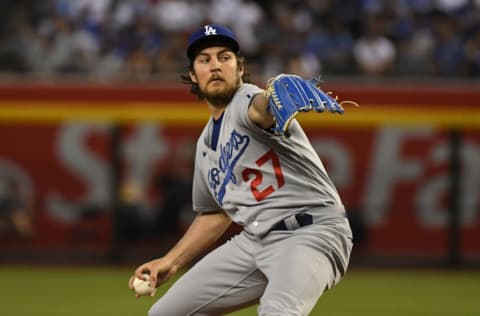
[[195, 89]]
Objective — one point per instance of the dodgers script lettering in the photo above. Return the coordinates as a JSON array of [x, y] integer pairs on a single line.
[[230, 153]]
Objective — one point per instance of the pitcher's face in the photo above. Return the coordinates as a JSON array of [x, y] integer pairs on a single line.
[[216, 71]]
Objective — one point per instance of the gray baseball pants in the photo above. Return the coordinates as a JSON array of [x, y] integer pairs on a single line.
[[285, 271]]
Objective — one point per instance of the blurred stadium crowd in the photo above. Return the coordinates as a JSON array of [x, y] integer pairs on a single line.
[[145, 39]]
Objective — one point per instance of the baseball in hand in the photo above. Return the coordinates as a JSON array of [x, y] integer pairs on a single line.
[[142, 287]]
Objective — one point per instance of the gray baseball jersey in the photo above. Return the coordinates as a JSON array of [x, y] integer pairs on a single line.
[[260, 179], [256, 177]]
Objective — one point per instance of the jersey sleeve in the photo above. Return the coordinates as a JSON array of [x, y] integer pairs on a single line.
[[242, 102]]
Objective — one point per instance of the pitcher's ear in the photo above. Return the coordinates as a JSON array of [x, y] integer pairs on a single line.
[[193, 76]]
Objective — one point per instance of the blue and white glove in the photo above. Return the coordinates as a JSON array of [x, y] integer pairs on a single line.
[[290, 94]]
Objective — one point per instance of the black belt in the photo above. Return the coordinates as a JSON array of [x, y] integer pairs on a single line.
[[303, 219]]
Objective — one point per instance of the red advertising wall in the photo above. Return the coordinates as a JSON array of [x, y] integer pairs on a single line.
[[389, 158]]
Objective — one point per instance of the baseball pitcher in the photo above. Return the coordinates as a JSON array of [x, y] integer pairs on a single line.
[[254, 166]]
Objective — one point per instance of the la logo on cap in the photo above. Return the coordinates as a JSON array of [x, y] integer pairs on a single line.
[[210, 30]]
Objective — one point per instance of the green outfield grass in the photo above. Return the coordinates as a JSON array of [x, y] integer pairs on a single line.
[[102, 291]]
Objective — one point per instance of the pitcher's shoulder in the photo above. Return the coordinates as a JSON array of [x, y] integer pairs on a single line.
[[248, 91]]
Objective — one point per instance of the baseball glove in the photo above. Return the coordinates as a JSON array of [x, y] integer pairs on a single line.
[[290, 94]]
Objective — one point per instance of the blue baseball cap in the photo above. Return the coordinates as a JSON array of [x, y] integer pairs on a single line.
[[211, 35]]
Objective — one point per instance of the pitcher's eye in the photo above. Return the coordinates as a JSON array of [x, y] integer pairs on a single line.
[[225, 57]]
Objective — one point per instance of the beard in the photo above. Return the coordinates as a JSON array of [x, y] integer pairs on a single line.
[[221, 98]]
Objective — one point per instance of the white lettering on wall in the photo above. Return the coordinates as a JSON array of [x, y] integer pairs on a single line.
[[338, 158], [432, 210], [141, 148], [85, 165], [388, 168]]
